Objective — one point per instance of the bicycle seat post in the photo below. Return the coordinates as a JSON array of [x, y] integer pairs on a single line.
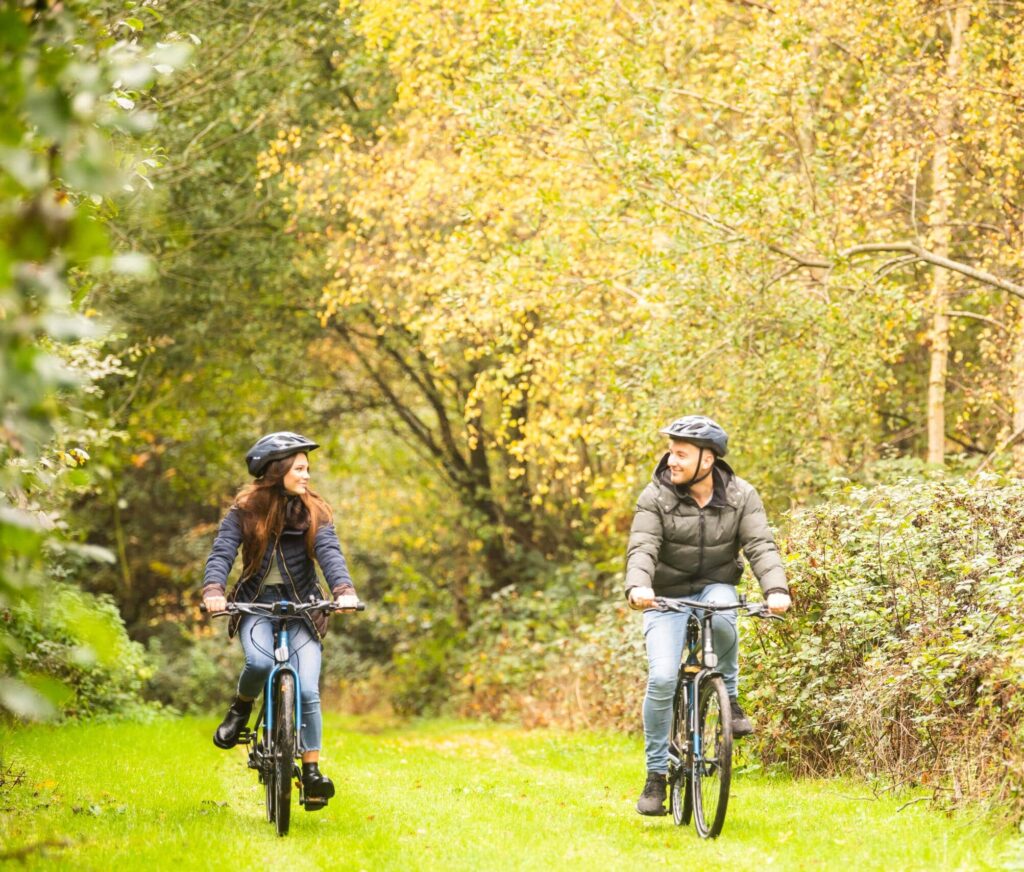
[[710, 657]]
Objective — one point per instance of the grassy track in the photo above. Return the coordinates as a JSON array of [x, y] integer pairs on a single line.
[[438, 796]]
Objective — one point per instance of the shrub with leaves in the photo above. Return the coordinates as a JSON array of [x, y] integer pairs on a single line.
[[71, 83], [72, 648], [903, 657], [568, 654]]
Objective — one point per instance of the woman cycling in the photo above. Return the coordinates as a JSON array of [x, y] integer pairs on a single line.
[[282, 527]]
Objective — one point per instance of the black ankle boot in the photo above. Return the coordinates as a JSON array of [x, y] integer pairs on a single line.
[[316, 787], [741, 725], [234, 722], [652, 800]]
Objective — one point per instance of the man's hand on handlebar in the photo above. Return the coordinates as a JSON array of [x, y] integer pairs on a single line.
[[641, 597], [778, 602], [215, 603]]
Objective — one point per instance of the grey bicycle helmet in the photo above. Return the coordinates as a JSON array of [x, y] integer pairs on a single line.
[[699, 430], [274, 447]]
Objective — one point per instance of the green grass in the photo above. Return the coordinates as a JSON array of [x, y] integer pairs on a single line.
[[438, 796]]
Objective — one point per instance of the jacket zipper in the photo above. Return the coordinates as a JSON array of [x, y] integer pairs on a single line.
[[295, 593], [700, 554], [259, 589], [284, 565]]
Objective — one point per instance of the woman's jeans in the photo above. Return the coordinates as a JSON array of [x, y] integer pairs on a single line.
[[257, 637], [663, 633]]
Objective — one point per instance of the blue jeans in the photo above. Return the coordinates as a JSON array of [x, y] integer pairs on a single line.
[[664, 634], [257, 637]]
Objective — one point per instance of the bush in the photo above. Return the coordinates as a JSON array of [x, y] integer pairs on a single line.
[[73, 647], [570, 654], [902, 660], [194, 672]]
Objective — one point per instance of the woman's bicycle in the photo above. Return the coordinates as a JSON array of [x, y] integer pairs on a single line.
[[274, 739], [700, 742]]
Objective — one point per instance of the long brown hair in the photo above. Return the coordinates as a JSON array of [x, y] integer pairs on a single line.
[[266, 508]]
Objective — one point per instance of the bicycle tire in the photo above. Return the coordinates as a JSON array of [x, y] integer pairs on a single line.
[[712, 767], [283, 751], [258, 761], [266, 775], [680, 795]]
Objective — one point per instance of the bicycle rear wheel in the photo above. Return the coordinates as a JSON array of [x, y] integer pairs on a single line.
[[680, 761], [283, 752], [712, 758]]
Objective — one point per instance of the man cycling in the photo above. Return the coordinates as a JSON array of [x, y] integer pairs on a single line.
[[690, 525]]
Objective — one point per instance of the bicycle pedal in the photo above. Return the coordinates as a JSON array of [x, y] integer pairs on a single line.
[[245, 737], [314, 804]]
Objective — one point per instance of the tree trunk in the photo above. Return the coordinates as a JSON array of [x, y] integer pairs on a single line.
[[939, 213], [1018, 391]]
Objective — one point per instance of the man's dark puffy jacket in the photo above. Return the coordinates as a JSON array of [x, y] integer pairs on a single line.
[[297, 569], [677, 547]]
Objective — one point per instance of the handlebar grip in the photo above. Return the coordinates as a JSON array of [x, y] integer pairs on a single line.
[[359, 607], [206, 611]]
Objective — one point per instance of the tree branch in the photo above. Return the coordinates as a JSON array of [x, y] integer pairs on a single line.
[[999, 449], [919, 253], [958, 313], [422, 379]]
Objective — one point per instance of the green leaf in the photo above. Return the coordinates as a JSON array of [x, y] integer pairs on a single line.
[[25, 702]]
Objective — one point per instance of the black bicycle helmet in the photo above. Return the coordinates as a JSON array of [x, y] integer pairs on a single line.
[[273, 447], [699, 430]]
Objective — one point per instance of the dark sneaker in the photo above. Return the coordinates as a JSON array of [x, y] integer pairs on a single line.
[[317, 788], [652, 800], [741, 725], [234, 722]]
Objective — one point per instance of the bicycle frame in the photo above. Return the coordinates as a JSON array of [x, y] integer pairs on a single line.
[[692, 671], [282, 653]]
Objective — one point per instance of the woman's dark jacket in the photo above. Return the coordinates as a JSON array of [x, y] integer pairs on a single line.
[[676, 547], [297, 569]]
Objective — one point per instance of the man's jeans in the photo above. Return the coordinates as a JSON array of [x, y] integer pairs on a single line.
[[663, 633], [257, 637]]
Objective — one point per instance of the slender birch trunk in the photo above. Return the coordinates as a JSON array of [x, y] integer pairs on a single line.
[[1018, 391], [939, 214]]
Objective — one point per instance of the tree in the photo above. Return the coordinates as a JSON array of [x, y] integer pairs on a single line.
[[70, 87]]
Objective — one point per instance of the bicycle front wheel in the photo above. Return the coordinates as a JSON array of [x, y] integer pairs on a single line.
[[712, 758], [680, 761], [284, 751]]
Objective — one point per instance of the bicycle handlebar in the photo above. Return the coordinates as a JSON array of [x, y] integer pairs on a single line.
[[753, 610], [281, 609]]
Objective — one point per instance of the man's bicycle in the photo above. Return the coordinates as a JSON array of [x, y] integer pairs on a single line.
[[274, 739], [700, 742]]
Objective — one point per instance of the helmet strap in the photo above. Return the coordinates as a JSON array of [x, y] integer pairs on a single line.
[[697, 477]]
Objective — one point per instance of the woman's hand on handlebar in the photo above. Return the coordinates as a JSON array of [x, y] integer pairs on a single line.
[[778, 602], [215, 603], [346, 602]]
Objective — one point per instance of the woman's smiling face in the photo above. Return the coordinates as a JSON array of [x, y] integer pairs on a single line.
[[296, 479]]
